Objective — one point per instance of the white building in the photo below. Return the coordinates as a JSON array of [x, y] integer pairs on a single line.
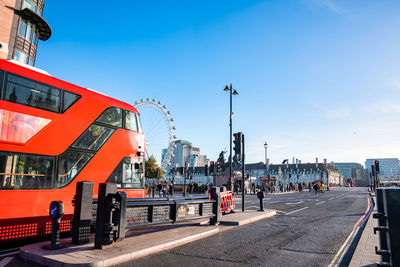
[[185, 152]]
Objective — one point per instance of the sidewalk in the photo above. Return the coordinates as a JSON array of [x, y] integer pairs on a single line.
[[139, 242], [365, 251]]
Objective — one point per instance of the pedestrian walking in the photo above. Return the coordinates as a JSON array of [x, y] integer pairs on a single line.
[[171, 189], [159, 188]]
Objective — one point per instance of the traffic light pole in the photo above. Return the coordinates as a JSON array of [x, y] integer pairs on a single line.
[[230, 182]]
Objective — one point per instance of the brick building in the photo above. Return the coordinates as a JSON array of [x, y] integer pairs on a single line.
[[21, 28]]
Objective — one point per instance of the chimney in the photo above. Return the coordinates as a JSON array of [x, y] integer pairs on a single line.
[[293, 162], [316, 162], [287, 164], [325, 161], [297, 163]]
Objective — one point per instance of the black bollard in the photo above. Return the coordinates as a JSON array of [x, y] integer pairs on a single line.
[[260, 196], [56, 212], [216, 195], [82, 212]]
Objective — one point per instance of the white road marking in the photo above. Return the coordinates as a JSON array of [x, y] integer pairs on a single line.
[[346, 242], [296, 210], [294, 203], [279, 211], [6, 261], [332, 198], [320, 203], [274, 202]]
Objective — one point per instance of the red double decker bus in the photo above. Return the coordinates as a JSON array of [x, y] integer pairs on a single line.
[[54, 134]]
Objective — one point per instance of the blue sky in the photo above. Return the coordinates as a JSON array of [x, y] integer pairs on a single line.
[[316, 78]]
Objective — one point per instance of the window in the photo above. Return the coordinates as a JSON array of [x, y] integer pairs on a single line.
[[25, 29], [29, 4], [30, 62], [22, 171], [20, 57], [130, 121], [22, 28], [28, 32], [111, 116], [70, 164], [139, 123], [127, 174], [93, 138], [34, 38], [27, 92], [69, 99]]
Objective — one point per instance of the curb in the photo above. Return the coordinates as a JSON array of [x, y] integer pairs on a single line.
[[268, 214], [355, 236], [117, 259]]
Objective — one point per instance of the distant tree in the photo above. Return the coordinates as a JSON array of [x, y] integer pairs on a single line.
[[152, 170]]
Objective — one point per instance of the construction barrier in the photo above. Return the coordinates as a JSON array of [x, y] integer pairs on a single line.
[[227, 203]]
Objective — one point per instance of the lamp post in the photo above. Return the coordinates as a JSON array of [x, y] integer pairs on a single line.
[[231, 92], [266, 161]]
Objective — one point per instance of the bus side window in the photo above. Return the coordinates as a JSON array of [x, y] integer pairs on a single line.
[[68, 100], [22, 171]]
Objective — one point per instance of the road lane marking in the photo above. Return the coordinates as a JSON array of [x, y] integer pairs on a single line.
[[274, 202], [332, 198], [346, 242], [6, 261], [288, 213], [294, 203], [280, 211], [320, 203]]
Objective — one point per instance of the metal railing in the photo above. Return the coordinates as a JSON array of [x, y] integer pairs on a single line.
[[388, 215], [114, 213]]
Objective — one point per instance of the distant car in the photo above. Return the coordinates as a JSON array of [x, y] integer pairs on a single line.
[[347, 185]]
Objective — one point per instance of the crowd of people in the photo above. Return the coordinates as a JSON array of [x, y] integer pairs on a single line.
[[164, 189], [273, 188]]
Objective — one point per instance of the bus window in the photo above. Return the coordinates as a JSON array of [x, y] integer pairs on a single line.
[[126, 175], [70, 164], [27, 92], [94, 137], [139, 123], [130, 121], [69, 99], [111, 116], [22, 171]]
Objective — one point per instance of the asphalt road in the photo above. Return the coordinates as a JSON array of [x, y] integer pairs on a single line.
[[308, 231]]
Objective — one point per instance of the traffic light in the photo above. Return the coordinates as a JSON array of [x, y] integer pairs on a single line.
[[206, 170], [211, 167], [377, 166], [237, 141], [218, 167]]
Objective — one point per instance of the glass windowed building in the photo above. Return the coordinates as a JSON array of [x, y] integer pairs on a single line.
[[22, 26]]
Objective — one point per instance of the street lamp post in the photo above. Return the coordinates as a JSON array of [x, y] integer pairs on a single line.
[[266, 161], [231, 92]]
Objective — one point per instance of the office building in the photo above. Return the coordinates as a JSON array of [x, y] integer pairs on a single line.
[[354, 171], [389, 168]]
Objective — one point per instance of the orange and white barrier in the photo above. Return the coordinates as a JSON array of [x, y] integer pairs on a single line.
[[227, 203]]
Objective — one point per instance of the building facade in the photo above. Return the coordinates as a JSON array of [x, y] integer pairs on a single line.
[[294, 173], [21, 28], [354, 171], [389, 168], [185, 152]]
